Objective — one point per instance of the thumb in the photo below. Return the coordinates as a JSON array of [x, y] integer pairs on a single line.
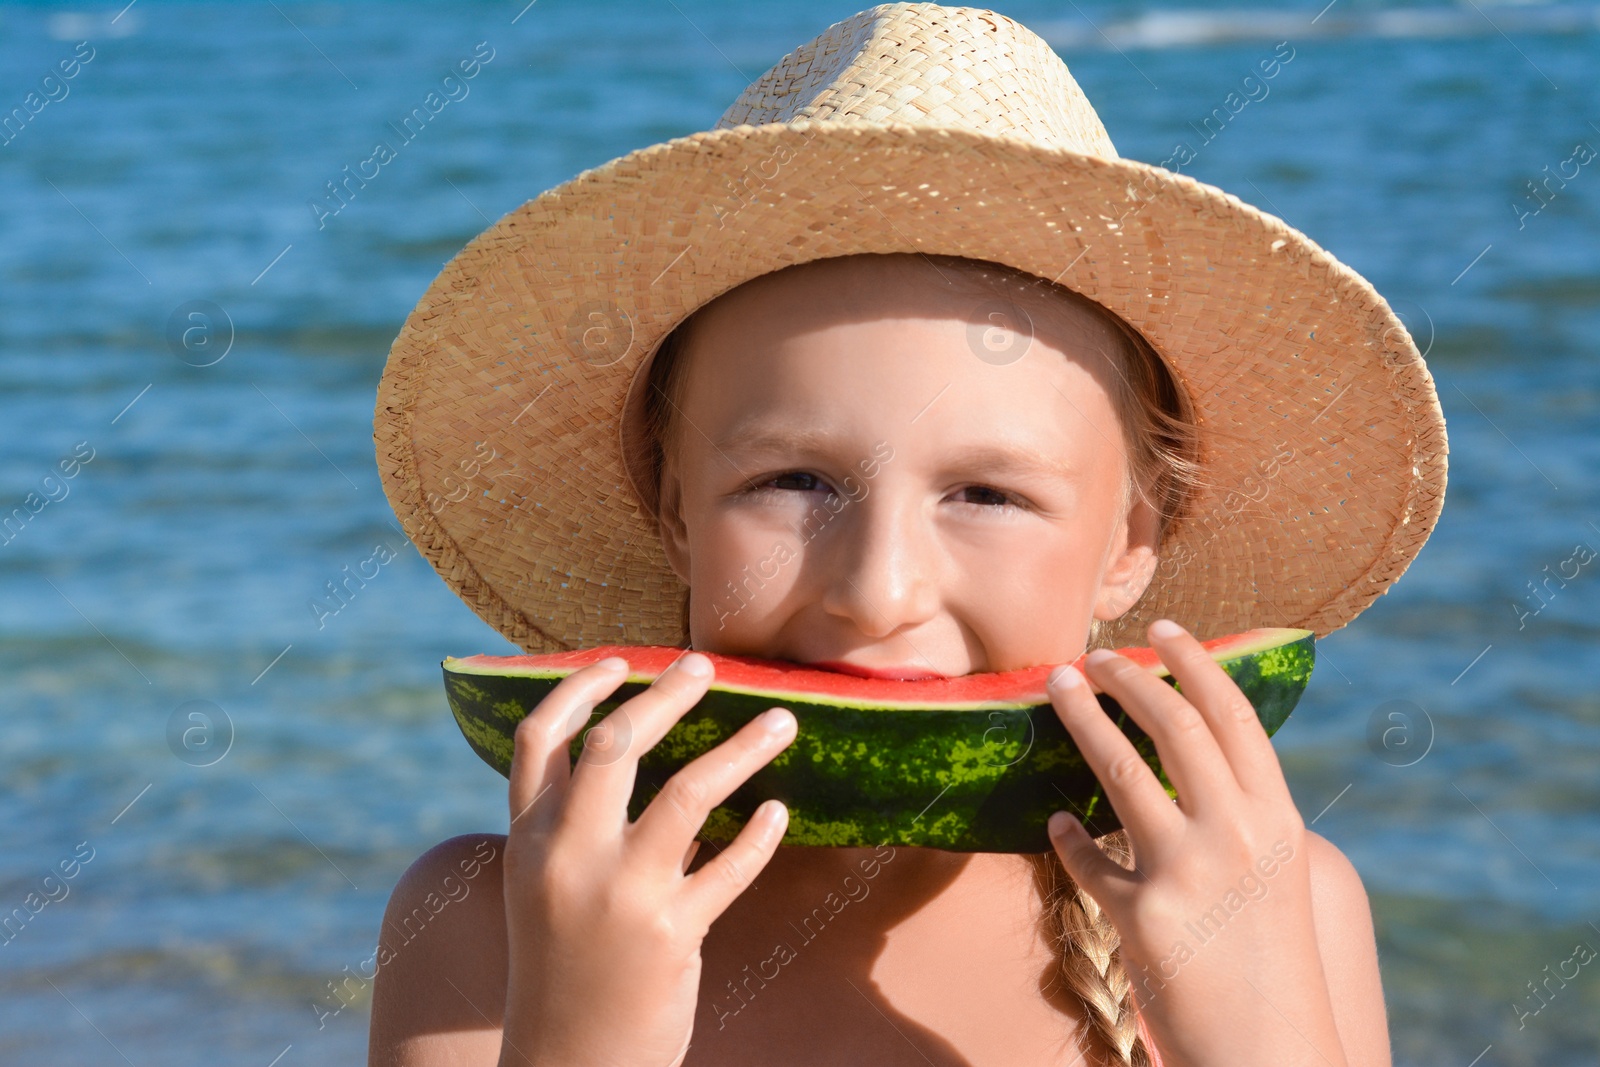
[[1107, 881]]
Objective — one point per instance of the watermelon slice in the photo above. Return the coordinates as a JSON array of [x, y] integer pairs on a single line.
[[969, 764]]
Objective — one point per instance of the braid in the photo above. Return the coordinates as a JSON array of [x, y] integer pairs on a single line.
[[1090, 961]]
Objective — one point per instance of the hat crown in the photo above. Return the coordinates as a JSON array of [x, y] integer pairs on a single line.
[[928, 65]]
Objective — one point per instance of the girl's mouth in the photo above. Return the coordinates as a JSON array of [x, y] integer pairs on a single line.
[[898, 674]]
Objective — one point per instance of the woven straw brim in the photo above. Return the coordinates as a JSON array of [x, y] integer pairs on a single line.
[[1324, 441]]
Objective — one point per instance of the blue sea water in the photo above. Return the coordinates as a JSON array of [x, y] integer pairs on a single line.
[[173, 571]]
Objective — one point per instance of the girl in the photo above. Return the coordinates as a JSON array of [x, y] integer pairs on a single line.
[[1036, 460]]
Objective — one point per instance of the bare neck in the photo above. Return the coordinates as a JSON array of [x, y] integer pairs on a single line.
[[945, 945]]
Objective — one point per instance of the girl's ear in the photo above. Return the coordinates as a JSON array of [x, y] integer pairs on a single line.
[[1132, 564], [669, 519]]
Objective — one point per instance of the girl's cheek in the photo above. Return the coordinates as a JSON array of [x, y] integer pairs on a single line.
[[797, 517], [751, 545], [1026, 603]]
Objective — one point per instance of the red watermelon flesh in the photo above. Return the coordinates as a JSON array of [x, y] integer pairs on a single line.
[[1016, 688]]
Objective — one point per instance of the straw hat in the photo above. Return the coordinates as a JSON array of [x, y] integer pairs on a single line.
[[906, 128]]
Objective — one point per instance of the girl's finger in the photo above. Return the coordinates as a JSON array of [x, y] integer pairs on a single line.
[[677, 813], [602, 780], [1234, 723], [1139, 799], [1189, 753], [1103, 878], [708, 891], [540, 766]]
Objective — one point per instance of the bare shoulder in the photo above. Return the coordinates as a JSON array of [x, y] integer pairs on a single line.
[[440, 988], [1348, 946], [1338, 899]]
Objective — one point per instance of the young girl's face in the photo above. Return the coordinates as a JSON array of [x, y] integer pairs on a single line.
[[850, 483]]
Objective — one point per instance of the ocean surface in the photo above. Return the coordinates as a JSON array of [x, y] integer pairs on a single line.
[[218, 481]]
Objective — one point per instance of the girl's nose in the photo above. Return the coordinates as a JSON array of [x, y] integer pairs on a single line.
[[880, 565]]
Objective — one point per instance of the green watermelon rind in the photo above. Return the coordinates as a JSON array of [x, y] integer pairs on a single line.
[[967, 780]]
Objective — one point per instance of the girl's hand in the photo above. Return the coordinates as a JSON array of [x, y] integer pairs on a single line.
[[1216, 917], [604, 926]]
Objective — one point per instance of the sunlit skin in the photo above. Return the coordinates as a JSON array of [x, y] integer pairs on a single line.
[[987, 540]]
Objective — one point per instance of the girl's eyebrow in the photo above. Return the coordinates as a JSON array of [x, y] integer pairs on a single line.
[[996, 458], [1017, 461], [764, 439]]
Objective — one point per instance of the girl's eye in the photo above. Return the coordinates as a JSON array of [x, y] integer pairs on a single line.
[[798, 481], [985, 496]]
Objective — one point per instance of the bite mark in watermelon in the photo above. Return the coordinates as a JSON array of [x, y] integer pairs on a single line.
[[974, 763]]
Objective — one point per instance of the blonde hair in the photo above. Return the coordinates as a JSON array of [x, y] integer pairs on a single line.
[[1162, 446]]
